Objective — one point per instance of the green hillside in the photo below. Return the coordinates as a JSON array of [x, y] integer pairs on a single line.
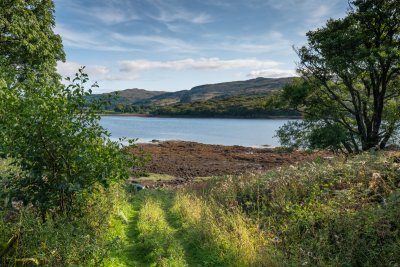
[[231, 99], [236, 106]]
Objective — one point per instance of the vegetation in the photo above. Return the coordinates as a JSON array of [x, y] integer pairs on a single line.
[[350, 81], [62, 194], [317, 214], [59, 172], [239, 106], [29, 49], [79, 239], [249, 99], [60, 146], [260, 106]]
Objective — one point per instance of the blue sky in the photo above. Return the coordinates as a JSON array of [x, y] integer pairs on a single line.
[[173, 45]]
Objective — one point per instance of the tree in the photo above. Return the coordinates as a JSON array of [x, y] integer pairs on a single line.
[[50, 130], [350, 79], [28, 45], [56, 138]]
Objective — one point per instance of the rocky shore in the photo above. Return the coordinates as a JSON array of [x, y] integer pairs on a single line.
[[189, 160]]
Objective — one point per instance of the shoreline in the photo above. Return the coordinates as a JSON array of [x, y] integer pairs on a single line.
[[185, 161], [177, 141], [198, 117]]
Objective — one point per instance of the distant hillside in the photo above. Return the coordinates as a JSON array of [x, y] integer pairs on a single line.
[[258, 86], [256, 106], [132, 95]]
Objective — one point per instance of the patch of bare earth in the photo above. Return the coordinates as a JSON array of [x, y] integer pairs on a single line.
[[188, 160]]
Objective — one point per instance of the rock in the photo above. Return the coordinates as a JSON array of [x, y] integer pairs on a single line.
[[136, 187]]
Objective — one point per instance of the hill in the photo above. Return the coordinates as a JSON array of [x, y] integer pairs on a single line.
[[253, 106], [132, 95], [258, 86]]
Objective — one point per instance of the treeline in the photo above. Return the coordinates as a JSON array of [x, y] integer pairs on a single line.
[[133, 108], [237, 106]]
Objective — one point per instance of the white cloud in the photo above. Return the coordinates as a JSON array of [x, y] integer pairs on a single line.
[[272, 73], [111, 15], [123, 77], [315, 12], [169, 12], [201, 18], [69, 68], [157, 42], [107, 12], [198, 64], [95, 72], [271, 42], [87, 40], [310, 5]]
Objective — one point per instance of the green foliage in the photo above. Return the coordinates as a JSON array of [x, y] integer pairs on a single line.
[[59, 171], [313, 135], [316, 214], [29, 49], [320, 214], [157, 236], [350, 77], [64, 240], [238, 106], [59, 144]]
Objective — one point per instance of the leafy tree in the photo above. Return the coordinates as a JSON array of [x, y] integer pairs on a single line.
[[119, 108], [57, 140], [29, 49], [49, 129], [350, 80]]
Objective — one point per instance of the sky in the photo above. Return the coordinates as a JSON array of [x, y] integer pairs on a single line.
[[171, 45]]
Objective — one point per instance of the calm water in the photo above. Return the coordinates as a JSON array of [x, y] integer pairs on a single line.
[[208, 131]]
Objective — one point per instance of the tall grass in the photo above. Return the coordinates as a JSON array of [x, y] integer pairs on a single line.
[[317, 214], [344, 213], [63, 240], [216, 237], [321, 214], [157, 236]]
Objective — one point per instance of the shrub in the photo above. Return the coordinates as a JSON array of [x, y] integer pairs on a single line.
[[55, 135], [64, 240]]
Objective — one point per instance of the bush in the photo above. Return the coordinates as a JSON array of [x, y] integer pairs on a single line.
[[64, 240], [55, 135]]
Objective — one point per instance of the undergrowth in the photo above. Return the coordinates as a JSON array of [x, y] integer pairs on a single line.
[[321, 214], [341, 213], [83, 239]]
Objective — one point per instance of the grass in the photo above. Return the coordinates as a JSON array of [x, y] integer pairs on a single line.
[[174, 229], [156, 177], [341, 213], [165, 177], [63, 240], [318, 214]]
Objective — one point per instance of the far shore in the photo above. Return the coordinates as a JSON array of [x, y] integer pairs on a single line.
[[198, 117]]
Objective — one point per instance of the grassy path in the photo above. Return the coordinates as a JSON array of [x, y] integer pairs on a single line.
[[169, 229], [151, 235]]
